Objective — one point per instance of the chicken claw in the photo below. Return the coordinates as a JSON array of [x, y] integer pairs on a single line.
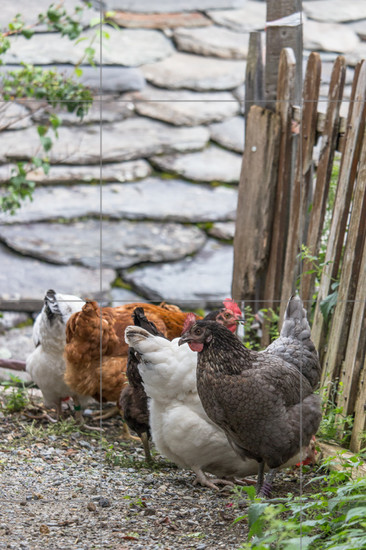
[[205, 482]]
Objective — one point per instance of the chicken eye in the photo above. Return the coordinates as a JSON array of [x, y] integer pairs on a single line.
[[198, 331]]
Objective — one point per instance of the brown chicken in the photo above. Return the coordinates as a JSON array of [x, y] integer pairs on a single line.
[[96, 352]]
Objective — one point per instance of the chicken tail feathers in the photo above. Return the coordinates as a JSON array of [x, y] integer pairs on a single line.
[[295, 323], [140, 320]]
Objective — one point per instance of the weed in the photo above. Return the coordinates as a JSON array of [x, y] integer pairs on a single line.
[[17, 399], [333, 518]]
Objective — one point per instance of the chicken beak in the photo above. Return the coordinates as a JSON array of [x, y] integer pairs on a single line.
[[184, 339]]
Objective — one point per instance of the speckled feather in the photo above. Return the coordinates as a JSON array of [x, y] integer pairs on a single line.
[[294, 344], [255, 398]]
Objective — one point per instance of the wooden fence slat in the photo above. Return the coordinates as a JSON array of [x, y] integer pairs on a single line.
[[285, 96], [356, 348], [350, 271], [303, 175], [256, 188], [277, 37], [359, 423], [254, 75], [324, 172], [346, 179]]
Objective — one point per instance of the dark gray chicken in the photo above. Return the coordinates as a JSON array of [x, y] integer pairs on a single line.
[[133, 398], [294, 344], [263, 403]]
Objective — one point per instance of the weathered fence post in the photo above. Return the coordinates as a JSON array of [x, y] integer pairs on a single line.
[[347, 174], [254, 75], [255, 201], [285, 98], [350, 272], [303, 176], [323, 175], [283, 30]]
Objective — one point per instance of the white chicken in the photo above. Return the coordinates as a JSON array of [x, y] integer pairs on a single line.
[[180, 428], [46, 364]]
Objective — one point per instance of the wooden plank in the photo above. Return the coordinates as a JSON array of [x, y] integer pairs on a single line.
[[320, 121], [254, 76], [281, 33], [351, 266], [303, 175], [356, 344], [340, 457], [324, 172], [256, 188], [347, 173], [285, 95], [359, 423]]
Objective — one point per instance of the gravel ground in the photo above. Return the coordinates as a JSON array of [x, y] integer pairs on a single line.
[[66, 488]]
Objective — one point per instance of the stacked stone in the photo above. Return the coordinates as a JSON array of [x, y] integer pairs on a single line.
[[164, 138]]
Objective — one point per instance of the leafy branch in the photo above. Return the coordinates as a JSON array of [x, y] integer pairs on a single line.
[[57, 90]]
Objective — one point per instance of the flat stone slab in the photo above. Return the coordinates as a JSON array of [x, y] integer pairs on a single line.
[[229, 133], [124, 47], [336, 11], [14, 116], [166, 6], [120, 296], [10, 319], [16, 344], [211, 164], [114, 79], [27, 279], [360, 28], [30, 16], [102, 110], [352, 58], [213, 41], [119, 171], [126, 140], [195, 73], [252, 17], [152, 199], [183, 107], [326, 37], [123, 244], [222, 230], [160, 20], [189, 283]]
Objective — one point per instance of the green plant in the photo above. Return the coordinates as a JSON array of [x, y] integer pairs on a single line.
[[37, 83], [334, 426], [17, 399], [333, 518]]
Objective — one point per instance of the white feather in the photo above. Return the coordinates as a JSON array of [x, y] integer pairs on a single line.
[[46, 363]]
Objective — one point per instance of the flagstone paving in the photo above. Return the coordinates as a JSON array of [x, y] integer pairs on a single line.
[[169, 103]]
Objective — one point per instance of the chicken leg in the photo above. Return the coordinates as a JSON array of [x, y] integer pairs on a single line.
[[266, 488], [205, 482]]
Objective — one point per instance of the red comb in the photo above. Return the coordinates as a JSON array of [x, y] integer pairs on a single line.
[[189, 321], [232, 306]]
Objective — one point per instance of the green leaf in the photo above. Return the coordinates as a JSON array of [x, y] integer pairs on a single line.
[[42, 130], [78, 72], [27, 33], [359, 513], [46, 143]]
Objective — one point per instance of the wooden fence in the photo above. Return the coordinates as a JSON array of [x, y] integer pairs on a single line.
[[283, 195]]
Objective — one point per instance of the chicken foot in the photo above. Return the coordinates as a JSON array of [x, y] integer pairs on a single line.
[[146, 445], [211, 483], [266, 488], [98, 415]]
